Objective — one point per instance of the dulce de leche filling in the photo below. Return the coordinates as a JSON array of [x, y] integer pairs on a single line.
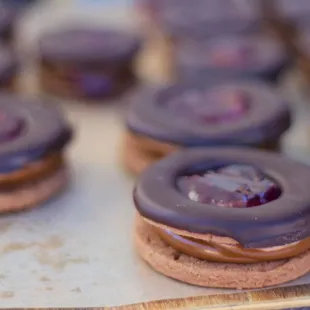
[[32, 171], [230, 253], [232, 186]]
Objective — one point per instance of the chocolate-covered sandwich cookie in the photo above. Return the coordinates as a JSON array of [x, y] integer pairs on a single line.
[[225, 217], [7, 19], [32, 140], [230, 57], [200, 18], [161, 120], [8, 69], [87, 63]]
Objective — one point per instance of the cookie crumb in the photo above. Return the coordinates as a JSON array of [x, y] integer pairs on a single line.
[[76, 290], [6, 294]]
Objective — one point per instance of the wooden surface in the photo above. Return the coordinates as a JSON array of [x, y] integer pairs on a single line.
[[273, 299]]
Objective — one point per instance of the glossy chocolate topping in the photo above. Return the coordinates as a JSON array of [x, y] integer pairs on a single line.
[[253, 54], [233, 186], [206, 18], [87, 45], [281, 221], [28, 130], [295, 10], [7, 15], [231, 253], [8, 64], [209, 107], [266, 116]]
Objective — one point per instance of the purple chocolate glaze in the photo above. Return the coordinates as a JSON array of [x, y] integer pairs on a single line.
[[29, 129], [207, 18], [88, 45], [254, 56], [296, 10], [10, 127], [207, 107], [94, 84], [267, 116], [8, 64], [278, 222], [7, 17]]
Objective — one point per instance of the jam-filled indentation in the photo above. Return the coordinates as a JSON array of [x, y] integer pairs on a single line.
[[10, 127], [232, 55], [234, 186], [209, 107]]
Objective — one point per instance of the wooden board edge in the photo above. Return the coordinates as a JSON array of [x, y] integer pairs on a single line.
[[271, 299]]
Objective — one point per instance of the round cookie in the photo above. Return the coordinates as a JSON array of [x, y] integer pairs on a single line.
[[33, 136], [163, 119], [205, 18], [184, 268], [7, 19], [230, 58], [9, 67], [87, 63], [231, 218]]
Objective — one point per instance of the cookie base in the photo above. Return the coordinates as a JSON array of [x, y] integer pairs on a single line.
[[32, 194], [133, 159], [55, 79], [184, 268], [140, 152]]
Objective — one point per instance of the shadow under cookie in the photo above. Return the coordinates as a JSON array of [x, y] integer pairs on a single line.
[[184, 268]]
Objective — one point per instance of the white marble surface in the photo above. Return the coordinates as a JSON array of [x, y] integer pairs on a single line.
[[77, 251]]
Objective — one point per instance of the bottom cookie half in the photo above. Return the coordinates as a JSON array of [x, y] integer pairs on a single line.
[[33, 193], [176, 265]]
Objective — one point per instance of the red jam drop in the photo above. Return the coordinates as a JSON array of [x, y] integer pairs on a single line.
[[234, 186], [210, 107], [232, 55], [10, 127]]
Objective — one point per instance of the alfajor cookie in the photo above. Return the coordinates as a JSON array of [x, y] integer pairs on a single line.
[[225, 217], [33, 136], [163, 119], [9, 67], [87, 63]]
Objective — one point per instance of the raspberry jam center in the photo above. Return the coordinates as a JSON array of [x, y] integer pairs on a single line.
[[234, 186], [232, 55], [10, 127], [210, 107]]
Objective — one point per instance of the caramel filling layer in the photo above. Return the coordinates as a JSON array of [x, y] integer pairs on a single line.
[[70, 81], [230, 253], [155, 150], [32, 171]]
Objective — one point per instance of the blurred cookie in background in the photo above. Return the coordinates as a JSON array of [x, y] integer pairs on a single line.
[[9, 69], [33, 136], [8, 17], [230, 57], [87, 62], [164, 119]]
